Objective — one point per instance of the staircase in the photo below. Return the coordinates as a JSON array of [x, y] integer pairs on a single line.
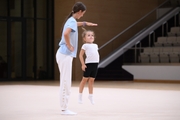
[[114, 71], [110, 68]]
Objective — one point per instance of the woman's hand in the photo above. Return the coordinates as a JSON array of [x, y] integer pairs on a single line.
[[91, 24], [70, 47]]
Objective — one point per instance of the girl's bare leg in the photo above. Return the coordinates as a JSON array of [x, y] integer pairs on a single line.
[[81, 88], [82, 84], [90, 86]]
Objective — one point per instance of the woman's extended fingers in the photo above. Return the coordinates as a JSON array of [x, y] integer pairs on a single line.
[[91, 24]]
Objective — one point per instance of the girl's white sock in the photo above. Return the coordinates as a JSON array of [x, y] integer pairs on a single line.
[[91, 98], [80, 98]]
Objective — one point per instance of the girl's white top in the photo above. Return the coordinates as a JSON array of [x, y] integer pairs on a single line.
[[91, 52]]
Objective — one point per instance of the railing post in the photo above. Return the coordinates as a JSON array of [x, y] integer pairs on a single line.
[[135, 53], [175, 20], [179, 19], [163, 28], [150, 38], [167, 27], [154, 37]]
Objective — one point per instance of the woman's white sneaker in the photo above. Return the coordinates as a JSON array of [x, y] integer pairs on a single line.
[[67, 112]]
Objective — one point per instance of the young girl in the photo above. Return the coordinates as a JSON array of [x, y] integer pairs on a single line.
[[67, 51], [89, 66]]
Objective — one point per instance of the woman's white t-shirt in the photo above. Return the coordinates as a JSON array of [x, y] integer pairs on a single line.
[[91, 51]]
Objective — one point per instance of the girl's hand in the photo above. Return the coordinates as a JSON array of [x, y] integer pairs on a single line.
[[84, 67]]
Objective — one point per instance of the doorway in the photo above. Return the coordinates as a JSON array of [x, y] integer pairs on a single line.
[[26, 40], [12, 48]]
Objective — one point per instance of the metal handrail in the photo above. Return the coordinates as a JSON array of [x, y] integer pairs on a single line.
[[138, 37], [131, 25]]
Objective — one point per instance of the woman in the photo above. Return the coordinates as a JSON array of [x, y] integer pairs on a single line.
[[67, 51]]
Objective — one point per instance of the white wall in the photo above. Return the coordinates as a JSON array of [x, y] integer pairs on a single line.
[[154, 72]]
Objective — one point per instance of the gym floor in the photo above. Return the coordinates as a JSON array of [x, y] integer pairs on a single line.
[[114, 100]]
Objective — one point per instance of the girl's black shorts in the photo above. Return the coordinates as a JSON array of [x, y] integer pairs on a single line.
[[91, 70]]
